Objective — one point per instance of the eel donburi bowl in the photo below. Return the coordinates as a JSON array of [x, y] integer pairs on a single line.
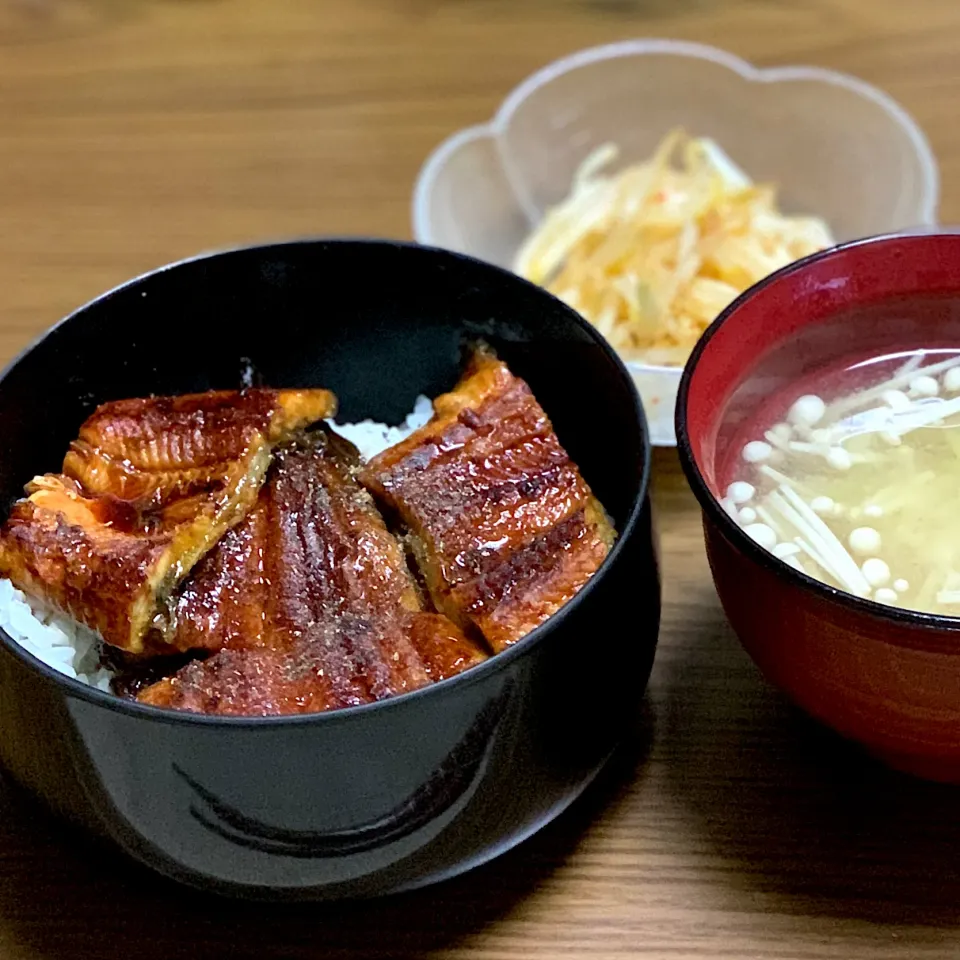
[[381, 797]]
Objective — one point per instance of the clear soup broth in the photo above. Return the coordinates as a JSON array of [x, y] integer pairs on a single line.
[[849, 470]]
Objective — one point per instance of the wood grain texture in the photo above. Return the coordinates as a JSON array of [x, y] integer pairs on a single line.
[[133, 132]]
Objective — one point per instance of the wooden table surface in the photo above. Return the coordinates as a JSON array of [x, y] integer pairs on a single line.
[[134, 132]]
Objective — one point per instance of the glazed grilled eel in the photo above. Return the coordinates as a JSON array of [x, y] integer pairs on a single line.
[[148, 487], [500, 522], [308, 602], [219, 526]]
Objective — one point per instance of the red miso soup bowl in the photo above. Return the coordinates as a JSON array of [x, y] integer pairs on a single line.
[[886, 677]]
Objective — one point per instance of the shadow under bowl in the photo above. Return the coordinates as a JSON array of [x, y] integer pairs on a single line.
[[390, 795], [884, 676]]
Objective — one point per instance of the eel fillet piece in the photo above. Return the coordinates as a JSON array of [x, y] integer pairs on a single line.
[[499, 520], [148, 487], [308, 603]]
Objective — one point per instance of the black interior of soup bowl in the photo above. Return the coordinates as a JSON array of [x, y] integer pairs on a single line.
[[385, 796]]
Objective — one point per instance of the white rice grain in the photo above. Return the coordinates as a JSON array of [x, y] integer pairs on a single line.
[[371, 438]]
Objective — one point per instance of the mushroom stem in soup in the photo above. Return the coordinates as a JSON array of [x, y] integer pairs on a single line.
[[854, 481]]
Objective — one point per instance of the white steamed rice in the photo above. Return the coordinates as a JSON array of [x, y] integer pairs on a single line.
[[52, 637], [371, 438], [74, 649]]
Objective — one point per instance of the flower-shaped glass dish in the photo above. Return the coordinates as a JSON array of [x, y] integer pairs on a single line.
[[837, 147]]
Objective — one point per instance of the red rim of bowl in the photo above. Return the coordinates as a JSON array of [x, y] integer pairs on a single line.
[[710, 504]]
